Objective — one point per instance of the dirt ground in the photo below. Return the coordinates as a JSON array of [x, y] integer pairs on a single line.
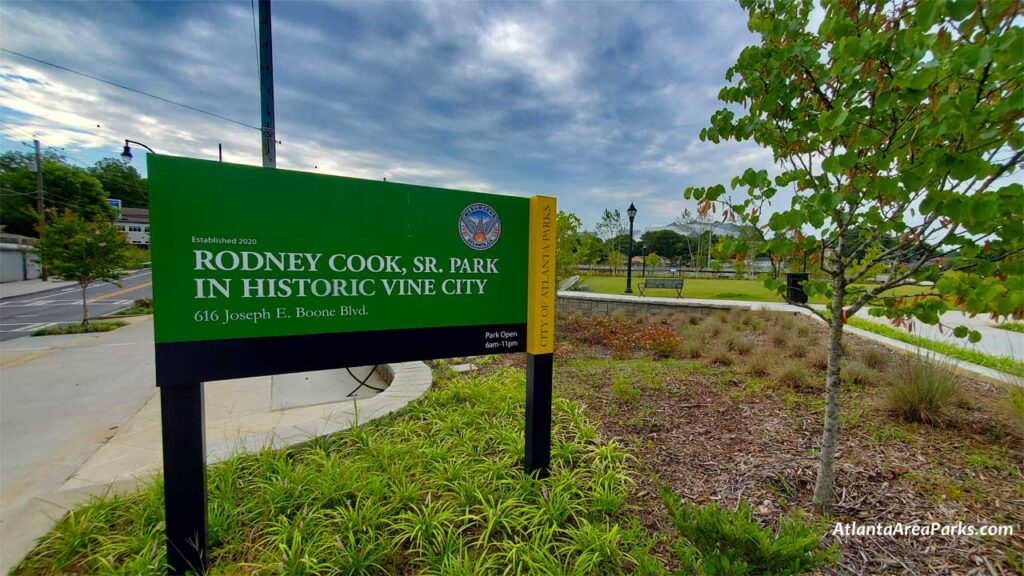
[[734, 411]]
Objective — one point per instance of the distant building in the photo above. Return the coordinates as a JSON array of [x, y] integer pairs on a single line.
[[695, 228], [134, 222]]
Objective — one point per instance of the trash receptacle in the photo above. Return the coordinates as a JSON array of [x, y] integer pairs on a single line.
[[795, 286]]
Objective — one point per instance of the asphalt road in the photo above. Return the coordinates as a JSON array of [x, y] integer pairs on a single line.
[[22, 315]]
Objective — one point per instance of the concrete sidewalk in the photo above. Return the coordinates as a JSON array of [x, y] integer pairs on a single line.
[[23, 287], [80, 415]]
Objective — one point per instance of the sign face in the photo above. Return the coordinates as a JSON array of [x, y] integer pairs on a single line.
[[256, 261], [116, 204]]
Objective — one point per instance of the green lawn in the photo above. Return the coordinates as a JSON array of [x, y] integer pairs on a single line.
[[703, 288]]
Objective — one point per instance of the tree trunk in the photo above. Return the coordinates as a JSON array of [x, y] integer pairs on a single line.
[[830, 433], [85, 306]]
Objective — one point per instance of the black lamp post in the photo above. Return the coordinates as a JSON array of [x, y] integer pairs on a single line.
[[631, 212], [126, 154]]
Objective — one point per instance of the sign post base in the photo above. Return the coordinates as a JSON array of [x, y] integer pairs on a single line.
[[184, 448], [538, 414]]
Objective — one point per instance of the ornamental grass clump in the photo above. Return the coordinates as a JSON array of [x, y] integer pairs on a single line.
[[875, 358], [720, 356], [923, 389], [759, 365], [437, 488], [858, 374], [731, 542], [741, 344], [793, 376]]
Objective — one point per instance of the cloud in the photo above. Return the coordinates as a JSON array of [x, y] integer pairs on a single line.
[[598, 104]]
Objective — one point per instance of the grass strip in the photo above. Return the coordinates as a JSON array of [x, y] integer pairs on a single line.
[[134, 311], [79, 328], [1012, 326], [1001, 363]]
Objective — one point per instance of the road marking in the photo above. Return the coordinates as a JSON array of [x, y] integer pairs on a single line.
[[120, 292], [34, 327]]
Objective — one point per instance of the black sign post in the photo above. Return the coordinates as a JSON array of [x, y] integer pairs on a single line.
[[184, 447], [538, 413]]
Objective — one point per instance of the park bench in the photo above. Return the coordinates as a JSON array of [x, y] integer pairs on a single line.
[[671, 283]]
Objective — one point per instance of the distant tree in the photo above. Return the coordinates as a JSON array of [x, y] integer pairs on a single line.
[[123, 182], [894, 118], [607, 229], [621, 244], [666, 243], [567, 238], [591, 248], [64, 187], [83, 251]]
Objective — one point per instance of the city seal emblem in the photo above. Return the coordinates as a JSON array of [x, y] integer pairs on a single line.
[[479, 226]]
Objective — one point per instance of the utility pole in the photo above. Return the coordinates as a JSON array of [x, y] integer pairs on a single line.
[[267, 88], [39, 198]]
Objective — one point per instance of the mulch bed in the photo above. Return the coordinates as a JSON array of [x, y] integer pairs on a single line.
[[712, 435]]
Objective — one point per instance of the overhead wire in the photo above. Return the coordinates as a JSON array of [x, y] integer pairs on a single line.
[[130, 89]]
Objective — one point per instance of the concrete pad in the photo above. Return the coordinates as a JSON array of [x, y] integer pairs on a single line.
[[324, 386]]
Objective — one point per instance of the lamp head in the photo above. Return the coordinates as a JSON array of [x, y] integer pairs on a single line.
[[631, 211], [126, 154]]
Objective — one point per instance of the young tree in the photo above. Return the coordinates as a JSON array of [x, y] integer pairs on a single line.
[[77, 249], [591, 248], [608, 229], [567, 238], [898, 118]]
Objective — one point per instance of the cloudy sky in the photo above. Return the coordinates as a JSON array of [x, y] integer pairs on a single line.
[[596, 103]]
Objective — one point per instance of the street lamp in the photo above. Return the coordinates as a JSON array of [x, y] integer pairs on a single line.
[[631, 212], [126, 154]]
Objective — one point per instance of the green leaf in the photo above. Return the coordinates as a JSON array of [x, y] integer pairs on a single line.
[[974, 337], [961, 331]]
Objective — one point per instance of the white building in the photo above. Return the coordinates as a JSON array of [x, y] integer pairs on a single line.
[[134, 222]]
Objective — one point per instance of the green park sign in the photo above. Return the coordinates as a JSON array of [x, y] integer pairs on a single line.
[[244, 256], [260, 271]]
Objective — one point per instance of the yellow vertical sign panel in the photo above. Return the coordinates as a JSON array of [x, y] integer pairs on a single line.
[[540, 303]]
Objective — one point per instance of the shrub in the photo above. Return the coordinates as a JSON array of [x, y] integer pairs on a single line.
[[137, 257], [858, 374], [874, 358], [793, 376], [923, 388], [719, 541], [660, 340]]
